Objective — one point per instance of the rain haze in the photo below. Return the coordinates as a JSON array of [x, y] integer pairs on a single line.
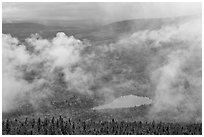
[[101, 68], [97, 12]]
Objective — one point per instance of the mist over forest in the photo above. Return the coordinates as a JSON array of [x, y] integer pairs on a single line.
[[155, 58]]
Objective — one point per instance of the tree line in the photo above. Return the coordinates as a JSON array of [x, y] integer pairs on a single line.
[[66, 126]]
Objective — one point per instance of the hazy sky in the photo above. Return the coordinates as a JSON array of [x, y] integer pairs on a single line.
[[105, 12]]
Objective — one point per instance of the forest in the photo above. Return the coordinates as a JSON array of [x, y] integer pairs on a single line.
[[66, 126]]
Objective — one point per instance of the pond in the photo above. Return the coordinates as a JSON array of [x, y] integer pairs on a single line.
[[125, 102]]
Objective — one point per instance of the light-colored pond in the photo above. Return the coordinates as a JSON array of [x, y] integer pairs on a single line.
[[125, 102]]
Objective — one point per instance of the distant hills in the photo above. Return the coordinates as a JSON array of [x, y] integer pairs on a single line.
[[24, 30], [94, 33]]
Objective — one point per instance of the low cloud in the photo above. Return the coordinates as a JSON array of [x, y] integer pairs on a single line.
[[164, 65]]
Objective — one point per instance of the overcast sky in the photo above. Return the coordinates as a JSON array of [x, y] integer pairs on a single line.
[[104, 12]]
